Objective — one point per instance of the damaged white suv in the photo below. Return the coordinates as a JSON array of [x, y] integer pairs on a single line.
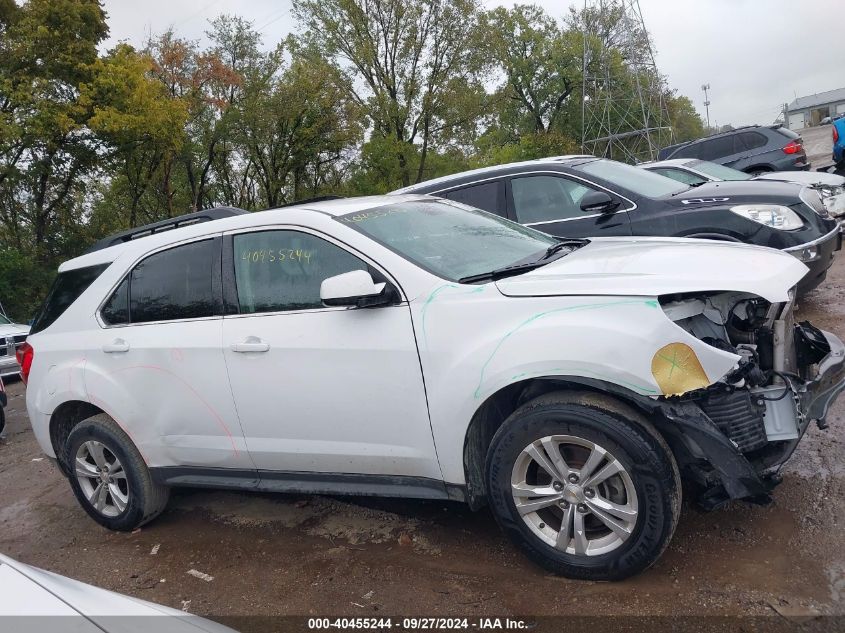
[[411, 346]]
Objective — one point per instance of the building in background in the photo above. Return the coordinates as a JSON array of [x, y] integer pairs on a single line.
[[812, 109]]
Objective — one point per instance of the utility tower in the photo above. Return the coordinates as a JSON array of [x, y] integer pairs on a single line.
[[623, 108]]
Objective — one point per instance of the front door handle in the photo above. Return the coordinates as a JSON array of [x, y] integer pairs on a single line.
[[251, 344], [117, 346]]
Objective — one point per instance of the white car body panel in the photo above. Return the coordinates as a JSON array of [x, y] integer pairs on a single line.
[[805, 178], [652, 266], [29, 592], [344, 390]]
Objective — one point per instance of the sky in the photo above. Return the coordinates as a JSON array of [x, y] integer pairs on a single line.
[[755, 54]]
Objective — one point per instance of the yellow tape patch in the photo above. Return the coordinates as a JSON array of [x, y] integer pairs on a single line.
[[677, 369]]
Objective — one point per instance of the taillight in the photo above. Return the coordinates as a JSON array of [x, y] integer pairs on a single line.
[[835, 134], [25, 354], [793, 147]]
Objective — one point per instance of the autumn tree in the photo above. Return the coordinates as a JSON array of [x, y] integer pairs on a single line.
[[411, 62], [142, 125], [47, 51]]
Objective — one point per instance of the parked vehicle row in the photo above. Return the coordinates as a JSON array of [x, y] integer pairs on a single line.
[[406, 345], [584, 196], [695, 172], [754, 149]]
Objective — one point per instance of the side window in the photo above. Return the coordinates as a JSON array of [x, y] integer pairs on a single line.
[[282, 270], [547, 198], [681, 176], [753, 140], [488, 196], [116, 309], [173, 284], [717, 148], [688, 151]]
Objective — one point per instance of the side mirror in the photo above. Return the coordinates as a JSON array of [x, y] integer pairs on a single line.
[[598, 202], [355, 288]]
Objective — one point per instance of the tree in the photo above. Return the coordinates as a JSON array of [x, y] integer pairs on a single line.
[[414, 61], [541, 62], [294, 122], [142, 125], [47, 51], [686, 122]]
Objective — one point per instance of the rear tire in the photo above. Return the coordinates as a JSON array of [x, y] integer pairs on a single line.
[[617, 526], [109, 477]]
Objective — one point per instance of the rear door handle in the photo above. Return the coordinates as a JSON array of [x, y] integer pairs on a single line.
[[251, 344], [117, 346]]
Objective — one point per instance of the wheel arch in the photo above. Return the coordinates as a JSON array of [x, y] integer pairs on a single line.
[[63, 420], [759, 169], [492, 413]]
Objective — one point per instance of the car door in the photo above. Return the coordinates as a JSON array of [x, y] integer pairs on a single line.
[[551, 203], [158, 368], [320, 389]]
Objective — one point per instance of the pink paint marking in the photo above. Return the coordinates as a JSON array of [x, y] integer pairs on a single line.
[[193, 391]]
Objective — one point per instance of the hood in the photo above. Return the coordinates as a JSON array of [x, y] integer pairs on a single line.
[[652, 266], [728, 192], [811, 178]]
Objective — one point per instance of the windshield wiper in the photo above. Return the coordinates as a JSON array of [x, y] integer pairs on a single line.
[[553, 252]]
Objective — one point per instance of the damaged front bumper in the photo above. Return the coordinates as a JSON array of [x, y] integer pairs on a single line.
[[716, 462]]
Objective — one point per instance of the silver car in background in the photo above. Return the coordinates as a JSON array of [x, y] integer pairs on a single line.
[[692, 171], [11, 336]]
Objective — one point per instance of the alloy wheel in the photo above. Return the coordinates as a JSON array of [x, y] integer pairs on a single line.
[[102, 479], [574, 495]]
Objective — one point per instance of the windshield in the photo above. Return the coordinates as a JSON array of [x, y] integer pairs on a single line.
[[717, 171], [4, 320], [639, 181], [449, 239]]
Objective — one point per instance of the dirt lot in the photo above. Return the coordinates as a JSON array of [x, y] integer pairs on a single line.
[[275, 555]]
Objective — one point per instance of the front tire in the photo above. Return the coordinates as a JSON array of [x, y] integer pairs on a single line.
[[586, 487], [109, 477]]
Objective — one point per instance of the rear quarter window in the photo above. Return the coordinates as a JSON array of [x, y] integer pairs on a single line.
[[488, 196], [66, 289]]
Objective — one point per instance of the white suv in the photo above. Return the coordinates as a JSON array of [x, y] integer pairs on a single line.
[[416, 347]]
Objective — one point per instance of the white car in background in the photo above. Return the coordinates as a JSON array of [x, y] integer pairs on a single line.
[[405, 345], [692, 171], [36, 601], [11, 336]]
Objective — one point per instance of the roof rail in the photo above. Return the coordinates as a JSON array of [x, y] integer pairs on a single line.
[[309, 201], [169, 224]]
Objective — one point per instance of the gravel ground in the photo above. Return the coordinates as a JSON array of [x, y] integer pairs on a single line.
[[301, 555]]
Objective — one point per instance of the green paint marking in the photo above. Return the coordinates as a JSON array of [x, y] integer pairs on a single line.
[[586, 306], [672, 361], [433, 295]]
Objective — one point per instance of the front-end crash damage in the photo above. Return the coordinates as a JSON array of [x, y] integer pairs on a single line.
[[733, 435]]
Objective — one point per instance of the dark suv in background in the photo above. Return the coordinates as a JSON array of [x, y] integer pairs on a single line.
[[585, 196], [753, 149]]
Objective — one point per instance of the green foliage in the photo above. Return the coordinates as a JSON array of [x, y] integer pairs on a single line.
[[367, 97], [687, 124]]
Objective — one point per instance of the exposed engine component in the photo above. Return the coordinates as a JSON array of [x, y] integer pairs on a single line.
[[738, 416]]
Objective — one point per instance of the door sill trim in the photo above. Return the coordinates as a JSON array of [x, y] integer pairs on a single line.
[[351, 484]]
